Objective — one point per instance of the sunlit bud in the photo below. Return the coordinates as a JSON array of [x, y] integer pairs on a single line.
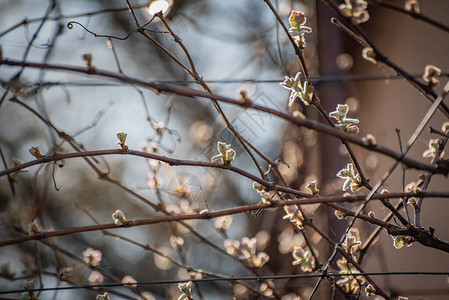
[[121, 140], [223, 223], [159, 127], [176, 241], [105, 296], [369, 140], [129, 279], [413, 202], [92, 257], [95, 277], [119, 217], [431, 74], [352, 129], [36, 152], [33, 228], [370, 290], [412, 6], [445, 127], [369, 55], [312, 187], [340, 215]]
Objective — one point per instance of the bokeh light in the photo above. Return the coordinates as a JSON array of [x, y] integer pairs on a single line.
[[159, 5]]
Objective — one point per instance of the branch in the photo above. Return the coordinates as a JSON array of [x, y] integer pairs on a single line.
[[415, 15], [423, 236], [159, 88]]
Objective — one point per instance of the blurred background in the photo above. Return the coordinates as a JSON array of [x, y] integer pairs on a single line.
[[236, 46]]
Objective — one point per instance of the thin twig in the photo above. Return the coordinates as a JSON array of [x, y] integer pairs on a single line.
[[158, 88]]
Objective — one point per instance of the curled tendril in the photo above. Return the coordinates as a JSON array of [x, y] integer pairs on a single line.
[[70, 26], [71, 23]]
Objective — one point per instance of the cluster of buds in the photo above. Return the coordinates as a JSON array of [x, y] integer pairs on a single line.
[[297, 20], [312, 187], [302, 90], [351, 283], [95, 278], [159, 127], [92, 257], [246, 249], [265, 289], [352, 179], [104, 296], [225, 153], [346, 124], [264, 195], [304, 259], [356, 10], [186, 290], [352, 242], [293, 213], [414, 187], [223, 223], [29, 295], [434, 149]]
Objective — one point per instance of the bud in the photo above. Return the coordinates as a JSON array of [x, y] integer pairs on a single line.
[[369, 55], [119, 217], [412, 6], [430, 74], [36, 152], [121, 140]]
